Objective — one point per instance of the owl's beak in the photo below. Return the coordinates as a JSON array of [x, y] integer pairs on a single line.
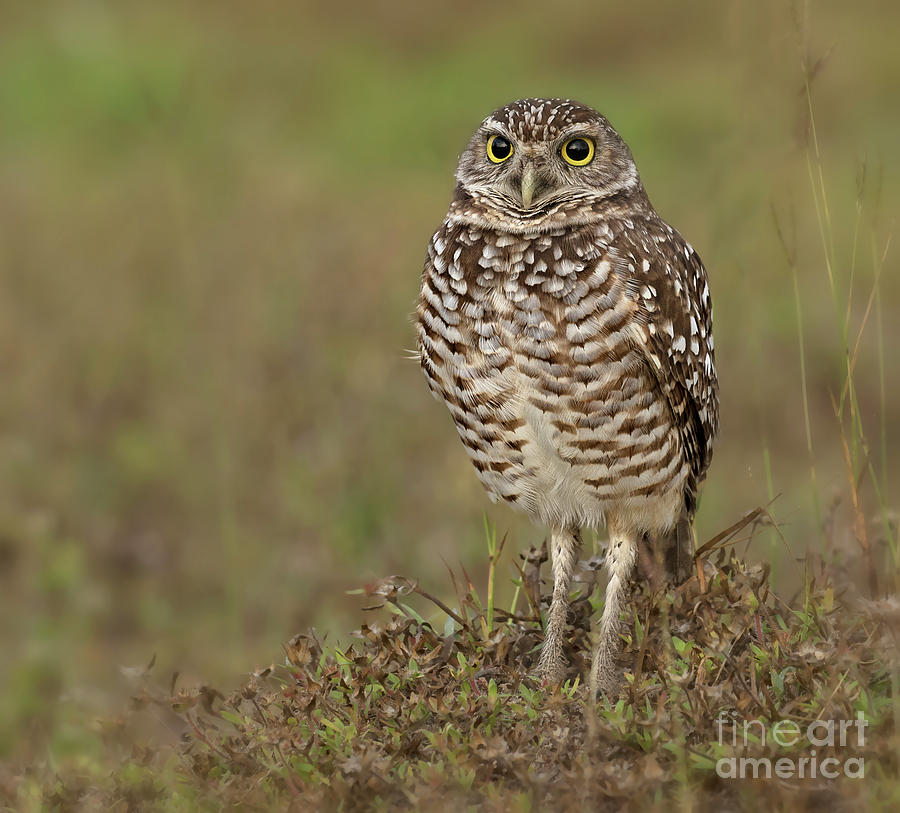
[[529, 185]]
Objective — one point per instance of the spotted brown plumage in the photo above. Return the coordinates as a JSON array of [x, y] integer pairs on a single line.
[[568, 330]]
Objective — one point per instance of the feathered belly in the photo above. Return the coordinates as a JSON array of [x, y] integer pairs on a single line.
[[566, 451]]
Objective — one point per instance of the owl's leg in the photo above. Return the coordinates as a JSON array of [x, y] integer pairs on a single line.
[[619, 561], [564, 545]]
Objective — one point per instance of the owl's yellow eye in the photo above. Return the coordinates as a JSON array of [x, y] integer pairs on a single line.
[[578, 151], [499, 149]]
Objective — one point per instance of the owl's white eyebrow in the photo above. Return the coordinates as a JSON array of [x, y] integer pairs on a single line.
[[575, 131]]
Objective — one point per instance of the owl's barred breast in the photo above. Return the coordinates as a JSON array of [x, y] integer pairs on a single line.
[[531, 343]]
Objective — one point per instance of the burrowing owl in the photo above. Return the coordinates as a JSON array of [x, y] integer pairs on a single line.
[[568, 330]]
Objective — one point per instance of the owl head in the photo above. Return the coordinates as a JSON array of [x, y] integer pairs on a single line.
[[535, 157]]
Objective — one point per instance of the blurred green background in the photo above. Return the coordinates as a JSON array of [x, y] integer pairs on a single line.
[[212, 222]]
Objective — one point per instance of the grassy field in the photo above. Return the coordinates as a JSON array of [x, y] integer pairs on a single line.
[[212, 223]]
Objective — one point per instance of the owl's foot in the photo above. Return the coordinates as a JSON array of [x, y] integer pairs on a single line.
[[551, 668], [606, 674]]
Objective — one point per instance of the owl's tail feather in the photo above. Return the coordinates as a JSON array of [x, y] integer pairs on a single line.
[[678, 550], [669, 557]]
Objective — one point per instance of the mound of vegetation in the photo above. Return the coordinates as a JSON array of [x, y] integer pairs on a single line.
[[731, 696]]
